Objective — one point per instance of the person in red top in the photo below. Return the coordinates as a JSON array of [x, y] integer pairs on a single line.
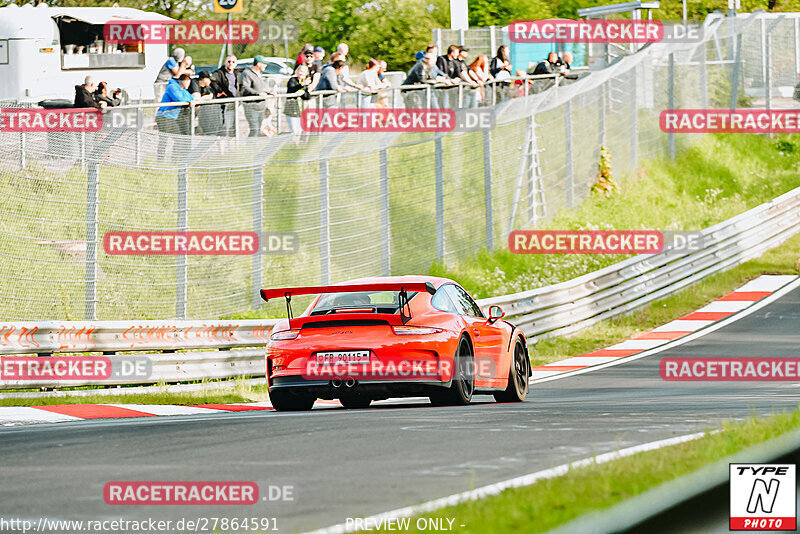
[[301, 57]]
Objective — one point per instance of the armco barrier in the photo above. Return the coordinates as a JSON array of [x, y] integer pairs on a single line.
[[547, 311]]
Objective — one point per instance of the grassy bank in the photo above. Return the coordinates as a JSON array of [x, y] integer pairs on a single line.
[[552, 502], [712, 180], [241, 392]]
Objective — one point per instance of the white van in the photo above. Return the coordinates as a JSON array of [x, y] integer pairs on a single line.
[[46, 51]]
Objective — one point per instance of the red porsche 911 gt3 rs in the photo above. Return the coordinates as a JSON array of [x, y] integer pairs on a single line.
[[397, 336]]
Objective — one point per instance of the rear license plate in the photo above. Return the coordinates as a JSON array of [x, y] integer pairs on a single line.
[[356, 357]]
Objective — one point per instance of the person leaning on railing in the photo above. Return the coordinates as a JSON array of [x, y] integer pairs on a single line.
[[479, 71], [252, 84], [169, 119], [421, 73]]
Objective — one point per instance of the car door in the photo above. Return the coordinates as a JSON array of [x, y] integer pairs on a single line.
[[487, 338]]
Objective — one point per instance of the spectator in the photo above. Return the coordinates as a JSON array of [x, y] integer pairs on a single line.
[[299, 82], [101, 95], [84, 97], [448, 65], [252, 84], [469, 95], [226, 84], [329, 81], [500, 66], [565, 64], [173, 67], [447, 62], [382, 71], [315, 69], [420, 73], [344, 76], [547, 67], [208, 116], [169, 119], [371, 82], [301, 57], [479, 71]]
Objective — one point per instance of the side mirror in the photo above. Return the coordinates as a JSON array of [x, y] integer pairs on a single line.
[[495, 313]]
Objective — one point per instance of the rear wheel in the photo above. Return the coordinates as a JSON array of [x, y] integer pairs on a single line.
[[463, 384], [518, 374], [288, 401], [353, 402]]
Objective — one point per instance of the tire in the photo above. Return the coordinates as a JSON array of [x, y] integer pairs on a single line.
[[463, 384], [288, 401], [355, 402], [518, 374]]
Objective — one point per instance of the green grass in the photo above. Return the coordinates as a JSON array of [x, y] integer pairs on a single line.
[[239, 393], [552, 502], [784, 259]]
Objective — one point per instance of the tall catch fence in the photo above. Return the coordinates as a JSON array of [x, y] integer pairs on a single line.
[[358, 204]]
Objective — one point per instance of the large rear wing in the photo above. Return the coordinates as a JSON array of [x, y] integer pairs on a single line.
[[403, 287], [289, 292]]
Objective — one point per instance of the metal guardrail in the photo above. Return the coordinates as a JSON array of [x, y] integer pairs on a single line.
[[620, 288], [547, 311]]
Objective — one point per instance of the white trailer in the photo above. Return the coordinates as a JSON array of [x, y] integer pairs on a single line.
[[46, 51]]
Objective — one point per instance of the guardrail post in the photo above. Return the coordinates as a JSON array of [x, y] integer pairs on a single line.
[[182, 226], [439, 187], [92, 198], [258, 218], [634, 120], [324, 223], [386, 221], [671, 102], [570, 179], [487, 188]]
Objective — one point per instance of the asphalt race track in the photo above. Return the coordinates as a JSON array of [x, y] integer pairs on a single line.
[[357, 463]]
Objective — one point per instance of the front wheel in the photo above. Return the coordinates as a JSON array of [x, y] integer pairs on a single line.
[[288, 401], [463, 383], [518, 385]]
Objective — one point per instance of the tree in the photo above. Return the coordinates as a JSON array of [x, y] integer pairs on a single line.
[[483, 13]]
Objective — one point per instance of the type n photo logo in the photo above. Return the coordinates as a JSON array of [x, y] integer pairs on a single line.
[[763, 497]]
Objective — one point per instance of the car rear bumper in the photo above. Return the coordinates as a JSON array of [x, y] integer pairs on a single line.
[[376, 389]]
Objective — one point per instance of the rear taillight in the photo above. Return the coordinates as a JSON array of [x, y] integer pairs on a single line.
[[284, 335], [414, 330]]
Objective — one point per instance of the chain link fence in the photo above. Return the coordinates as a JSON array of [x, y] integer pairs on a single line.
[[359, 204]]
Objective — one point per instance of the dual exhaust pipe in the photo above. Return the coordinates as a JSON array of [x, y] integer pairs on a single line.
[[347, 382]]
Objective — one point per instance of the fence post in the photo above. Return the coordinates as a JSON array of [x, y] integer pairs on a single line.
[[438, 38], [768, 69], [386, 220], [324, 223], [258, 218], [570, 185], [236, 118], [634, 120], [23, 148], [181, 264], [601, 112], [764, 59], [487, 187], [191, 119], [492, 40], [92, 198], [796, 47], [439, 172], [703, 78], [735, 72], [671, 102]]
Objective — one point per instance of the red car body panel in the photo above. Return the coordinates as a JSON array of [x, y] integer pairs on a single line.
[[291, 362]]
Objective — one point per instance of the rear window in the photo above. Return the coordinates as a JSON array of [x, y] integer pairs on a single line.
[[380, 301]]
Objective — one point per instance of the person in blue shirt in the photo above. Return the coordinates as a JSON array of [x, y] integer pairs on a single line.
[[174, 119]]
